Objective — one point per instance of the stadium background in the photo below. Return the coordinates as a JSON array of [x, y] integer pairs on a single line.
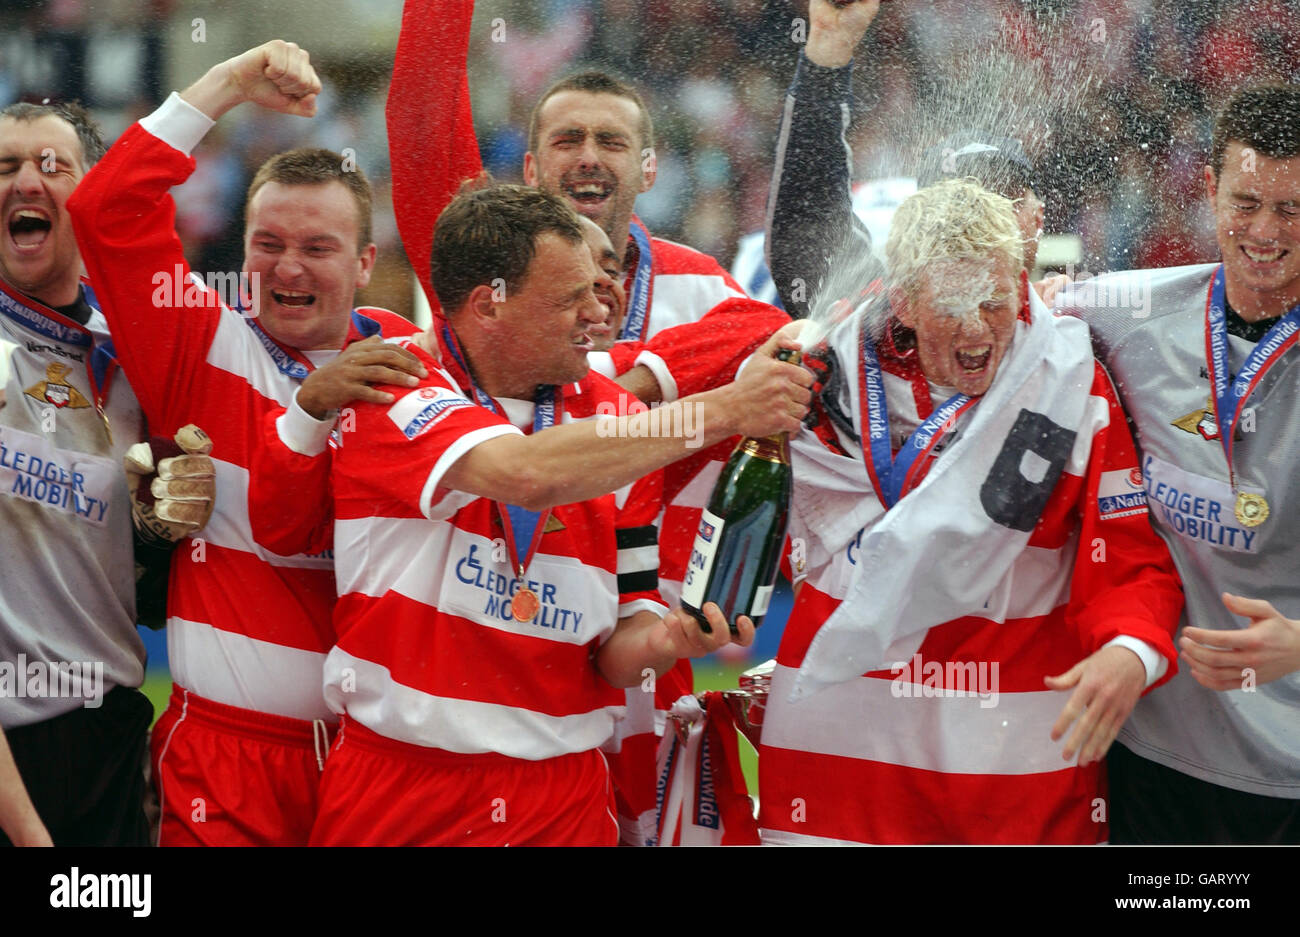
[[1121, 167]]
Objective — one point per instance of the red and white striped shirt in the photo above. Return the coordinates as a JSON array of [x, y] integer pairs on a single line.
[[246, 627], [953, 745], [428, 652]]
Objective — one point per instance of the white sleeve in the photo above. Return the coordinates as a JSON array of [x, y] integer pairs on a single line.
[[178, 123], [1152, 660]]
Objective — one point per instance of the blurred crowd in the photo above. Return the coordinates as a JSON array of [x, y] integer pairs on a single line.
[[1116, 98]]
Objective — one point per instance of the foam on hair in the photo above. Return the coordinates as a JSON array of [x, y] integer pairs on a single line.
[[956, 219]]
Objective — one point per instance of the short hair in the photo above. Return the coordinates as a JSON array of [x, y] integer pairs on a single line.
[[956, 219], [594, 82], [311, 166], [1265, 118], [491, 233], [89, 135]]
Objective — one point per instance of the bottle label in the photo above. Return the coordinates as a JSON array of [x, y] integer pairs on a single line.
[[762, 595], [697, 570]]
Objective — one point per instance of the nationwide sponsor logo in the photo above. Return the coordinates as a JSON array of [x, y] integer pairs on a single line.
[[706, 800], [421, 410], [876, 426], [1257, 360], [1120, 494], [55, 388], [42, 324]]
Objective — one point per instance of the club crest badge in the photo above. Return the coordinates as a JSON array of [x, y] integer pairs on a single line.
[[56, 390], [1201, 422]]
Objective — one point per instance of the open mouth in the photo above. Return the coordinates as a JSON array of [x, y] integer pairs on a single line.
[[292, 298], [975, 359], [1262, 255], [588, 193], [28, 227], [585, 342]]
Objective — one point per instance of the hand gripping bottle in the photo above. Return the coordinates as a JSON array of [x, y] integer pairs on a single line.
[[738, 545]]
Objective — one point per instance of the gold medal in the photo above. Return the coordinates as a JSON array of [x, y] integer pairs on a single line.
[[1251, 509], [525, 604]]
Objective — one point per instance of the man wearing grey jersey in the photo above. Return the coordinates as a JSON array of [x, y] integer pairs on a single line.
[[1207, 367], [70, 657]]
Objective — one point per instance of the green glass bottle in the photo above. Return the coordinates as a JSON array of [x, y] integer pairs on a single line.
[[738, 545]]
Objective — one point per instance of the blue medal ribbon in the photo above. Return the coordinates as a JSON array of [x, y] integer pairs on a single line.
[[286, 363], [523, 528], [892, 476], [1230, 396], [638, 302]]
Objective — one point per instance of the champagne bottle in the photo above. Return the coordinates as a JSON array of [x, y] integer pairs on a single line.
[[738, 545]]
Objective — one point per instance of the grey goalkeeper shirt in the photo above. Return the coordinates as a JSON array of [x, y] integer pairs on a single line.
[[67, 570], [1149, 328]]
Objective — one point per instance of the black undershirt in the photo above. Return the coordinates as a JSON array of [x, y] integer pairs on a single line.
[[1250, 331], [80, 311]]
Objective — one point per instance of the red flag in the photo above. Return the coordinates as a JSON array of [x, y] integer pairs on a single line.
[[431, 142]]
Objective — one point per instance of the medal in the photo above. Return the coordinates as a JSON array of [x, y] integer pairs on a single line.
[[525, 605], [1228, 397], [1251, 509]]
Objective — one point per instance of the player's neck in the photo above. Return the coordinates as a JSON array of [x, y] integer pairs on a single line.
[[622, 234], [495, 376], [54, 297], [1255, 306]]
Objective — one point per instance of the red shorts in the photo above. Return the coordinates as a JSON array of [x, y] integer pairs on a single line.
[[380, 792], [227, 776]]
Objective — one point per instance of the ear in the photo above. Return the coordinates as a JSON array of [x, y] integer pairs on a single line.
[[1211, 184], [366, 266], [481, 304], [901, 306], [530, 169]]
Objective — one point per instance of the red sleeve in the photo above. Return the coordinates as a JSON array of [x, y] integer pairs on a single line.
[[389, 462], [1124, 581], [289, 505], [124, 219], [705, 354], [623, 355], [430, 126]]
